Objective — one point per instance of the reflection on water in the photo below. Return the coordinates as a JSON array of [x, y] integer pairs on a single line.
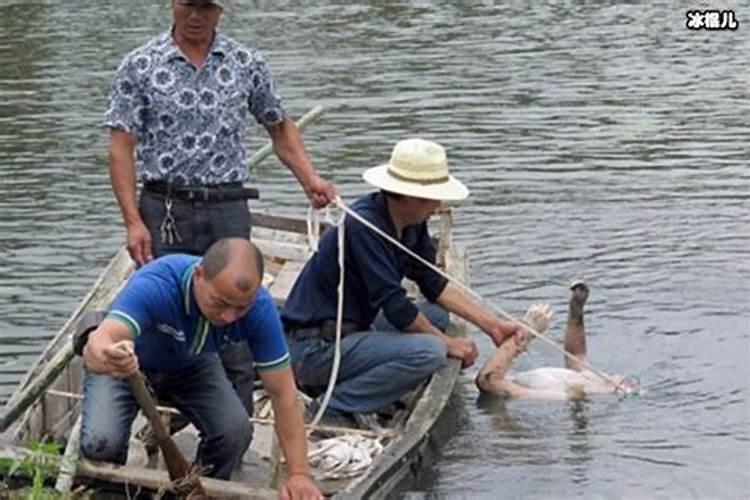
[[598, 138]]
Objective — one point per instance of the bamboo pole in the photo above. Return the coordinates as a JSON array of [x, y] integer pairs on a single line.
[[266, 150], [69, 460], [22, 400], [130, 476]]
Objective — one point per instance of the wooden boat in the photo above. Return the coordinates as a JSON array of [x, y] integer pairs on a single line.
[[45, 407]]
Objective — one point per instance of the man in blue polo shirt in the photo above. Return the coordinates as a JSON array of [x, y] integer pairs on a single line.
[[390, 344], [179, 311]]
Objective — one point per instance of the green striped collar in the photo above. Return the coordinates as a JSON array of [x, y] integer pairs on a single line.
[[202, 326], [186, 282]]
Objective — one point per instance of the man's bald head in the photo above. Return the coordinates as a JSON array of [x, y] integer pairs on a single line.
[[240, 256]]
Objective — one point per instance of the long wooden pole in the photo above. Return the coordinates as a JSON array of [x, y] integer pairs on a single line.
[[266, 150], [18, 404], [177, 465]]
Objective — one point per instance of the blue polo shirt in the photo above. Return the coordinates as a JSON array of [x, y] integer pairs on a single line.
[[158, 306], [374, 271]]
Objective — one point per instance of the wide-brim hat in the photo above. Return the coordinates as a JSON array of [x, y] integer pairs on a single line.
[[417, 168]]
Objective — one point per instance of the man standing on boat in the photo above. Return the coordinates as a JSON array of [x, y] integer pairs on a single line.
[[177, 312], [390, 344], [180, 103]]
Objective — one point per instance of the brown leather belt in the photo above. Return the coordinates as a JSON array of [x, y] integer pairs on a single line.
[[228, 192]]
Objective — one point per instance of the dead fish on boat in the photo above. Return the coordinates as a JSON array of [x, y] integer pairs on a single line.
[[343, 456]]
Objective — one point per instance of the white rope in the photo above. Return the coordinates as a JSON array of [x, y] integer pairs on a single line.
[[339, 314], [348, 211], [313, 228]]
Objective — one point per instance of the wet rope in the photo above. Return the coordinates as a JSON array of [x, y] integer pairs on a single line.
[[313, 227]]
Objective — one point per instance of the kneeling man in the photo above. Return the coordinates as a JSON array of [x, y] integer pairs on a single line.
[[179, 311], [389, 343]]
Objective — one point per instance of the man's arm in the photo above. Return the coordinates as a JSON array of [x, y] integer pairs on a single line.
[[459, 302], [122, 176], [290, 149], [462, 348], [491, 377], [290, 428], [109, 350]]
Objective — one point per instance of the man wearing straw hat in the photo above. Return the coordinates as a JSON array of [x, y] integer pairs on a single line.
[[389, 344], [180, 103]]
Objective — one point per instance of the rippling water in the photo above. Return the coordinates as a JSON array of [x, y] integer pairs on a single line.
[[599, 138]]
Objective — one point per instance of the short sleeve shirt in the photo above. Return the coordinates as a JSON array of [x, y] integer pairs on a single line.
[[190, 122], [158, 306]]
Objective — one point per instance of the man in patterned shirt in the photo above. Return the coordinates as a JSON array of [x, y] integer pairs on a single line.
[[180, 103], [169, 321]]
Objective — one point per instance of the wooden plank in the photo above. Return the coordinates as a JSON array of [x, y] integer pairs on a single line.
[[284, 251], [277, 235], [284, 281], [282, 223], [150, 479]]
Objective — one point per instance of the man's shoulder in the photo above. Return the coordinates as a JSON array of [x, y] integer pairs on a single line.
[[263, 304], [370, 207]]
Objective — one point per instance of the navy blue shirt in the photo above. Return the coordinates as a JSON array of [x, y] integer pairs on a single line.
[[374, 270], [170, 333]]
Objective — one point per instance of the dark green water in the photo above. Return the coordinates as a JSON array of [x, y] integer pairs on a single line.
[[598, 138]]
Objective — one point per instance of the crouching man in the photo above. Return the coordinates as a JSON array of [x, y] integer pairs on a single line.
[[179, 310]]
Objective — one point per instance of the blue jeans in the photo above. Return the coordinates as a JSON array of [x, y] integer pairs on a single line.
[[378, 366], [201, 393]]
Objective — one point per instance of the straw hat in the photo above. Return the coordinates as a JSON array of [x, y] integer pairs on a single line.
[[417, 168]]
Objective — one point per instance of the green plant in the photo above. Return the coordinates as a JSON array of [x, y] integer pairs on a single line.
[[40, 464]]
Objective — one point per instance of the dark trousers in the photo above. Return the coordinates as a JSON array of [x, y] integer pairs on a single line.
[[199, 224], [202, 393]]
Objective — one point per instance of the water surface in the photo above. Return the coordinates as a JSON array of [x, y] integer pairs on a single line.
[[598, 138]]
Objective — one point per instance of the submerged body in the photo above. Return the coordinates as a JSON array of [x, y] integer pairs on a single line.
[[561, 383], [572, 382]]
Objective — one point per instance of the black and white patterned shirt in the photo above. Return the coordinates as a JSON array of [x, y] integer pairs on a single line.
[[190, 123]]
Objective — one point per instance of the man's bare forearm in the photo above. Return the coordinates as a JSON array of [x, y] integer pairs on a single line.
[[290, 149], [122, 175], [291, 431], [290, 427], [458, 302]]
